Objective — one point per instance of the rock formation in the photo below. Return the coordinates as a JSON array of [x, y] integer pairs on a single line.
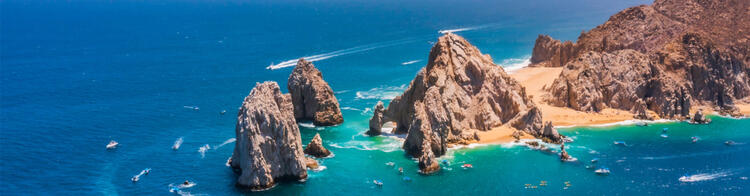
[[427, 162], [316, 149], [268, 146], [669, 55], [699, 118], [550, 133], [563, 154], [312, 98], [459, 92], [620, 80], [376, 122]]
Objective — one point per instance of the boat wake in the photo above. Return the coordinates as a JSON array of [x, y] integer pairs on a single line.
[[381, 93], [410, 62], [703, 176], [324, 56], [457, 30], [230, 140]]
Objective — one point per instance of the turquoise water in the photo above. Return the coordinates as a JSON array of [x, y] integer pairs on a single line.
[[76, 75]]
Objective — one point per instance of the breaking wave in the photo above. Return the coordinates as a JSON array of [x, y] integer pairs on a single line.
[[388, 145], [381, 93], [513, 64], [324, 56]]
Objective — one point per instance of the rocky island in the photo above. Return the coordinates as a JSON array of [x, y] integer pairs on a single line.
[[460, 95], [268, 147], [312, 97]]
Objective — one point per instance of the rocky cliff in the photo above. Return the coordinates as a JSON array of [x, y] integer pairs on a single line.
[[459, 91], [312, 98], [668, 55], [268, 146]]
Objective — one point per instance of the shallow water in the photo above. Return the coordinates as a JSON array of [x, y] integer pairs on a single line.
[[77, 75]]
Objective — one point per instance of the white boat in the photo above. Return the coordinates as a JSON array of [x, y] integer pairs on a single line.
[[135, 178], [377, 182], [602, 171], [112, 144]]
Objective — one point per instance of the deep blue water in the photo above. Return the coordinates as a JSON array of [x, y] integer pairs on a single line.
[[75, 75]]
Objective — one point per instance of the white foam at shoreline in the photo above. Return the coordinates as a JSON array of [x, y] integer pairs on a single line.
[[381, 93], [513, 64], [621, 123], [324, 56]]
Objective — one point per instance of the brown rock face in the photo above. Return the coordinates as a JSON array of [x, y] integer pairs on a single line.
[[268, 147], [563, 154], [676, 51], [427, 162], [699, 118], [620, 79], [459, 92], [376, 122], [316, 149], [311, 96]]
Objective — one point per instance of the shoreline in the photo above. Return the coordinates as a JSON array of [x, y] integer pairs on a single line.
[[535, 79]]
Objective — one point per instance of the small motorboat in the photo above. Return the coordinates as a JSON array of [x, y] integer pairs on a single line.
[[594, 160], [602, 171], [620, 143], [223, 112], [729, 142], [695, 139], [135, 178], [112, 144], [400, 170], [467, 166], [664, 135], [146, 171], [406, 178], [377, 182], [446, 163], [390, 164]]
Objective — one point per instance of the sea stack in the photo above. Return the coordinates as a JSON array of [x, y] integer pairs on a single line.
[[699, 118], [316, 149], [312, 98], [268, 146], [671, 55], [563, 154], [459, 91], [376, 122]]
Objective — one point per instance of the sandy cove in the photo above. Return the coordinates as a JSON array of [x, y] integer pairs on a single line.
[[535, 79]]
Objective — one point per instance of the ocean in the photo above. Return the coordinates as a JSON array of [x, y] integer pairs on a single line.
[[76, 74]]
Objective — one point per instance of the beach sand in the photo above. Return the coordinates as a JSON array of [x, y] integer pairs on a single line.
[[535, 79]]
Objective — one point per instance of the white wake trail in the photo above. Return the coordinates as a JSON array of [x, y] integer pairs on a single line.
[[324, 56]]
